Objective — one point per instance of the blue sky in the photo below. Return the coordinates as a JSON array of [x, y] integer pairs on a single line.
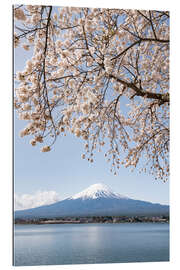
[[64, 171]]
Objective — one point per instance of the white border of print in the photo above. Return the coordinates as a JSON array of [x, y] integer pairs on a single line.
[[6, 130]]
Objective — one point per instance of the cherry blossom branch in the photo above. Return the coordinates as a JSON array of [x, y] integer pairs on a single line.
[[85, 63], [139, 92]]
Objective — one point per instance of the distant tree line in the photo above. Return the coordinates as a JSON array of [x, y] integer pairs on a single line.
[[94, 219]]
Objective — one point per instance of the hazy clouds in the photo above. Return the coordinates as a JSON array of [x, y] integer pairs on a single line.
[[26, 201]]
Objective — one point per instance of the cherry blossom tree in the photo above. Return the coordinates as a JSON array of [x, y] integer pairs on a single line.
[[101, 74]]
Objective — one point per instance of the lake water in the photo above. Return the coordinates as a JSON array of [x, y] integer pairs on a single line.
[[54, 244]]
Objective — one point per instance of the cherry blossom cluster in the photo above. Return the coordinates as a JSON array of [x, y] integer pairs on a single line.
[[86, 64]]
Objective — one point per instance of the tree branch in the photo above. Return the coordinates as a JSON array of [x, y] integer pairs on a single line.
[[163, 98]]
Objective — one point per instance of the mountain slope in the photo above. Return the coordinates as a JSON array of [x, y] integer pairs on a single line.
[[97, 200]]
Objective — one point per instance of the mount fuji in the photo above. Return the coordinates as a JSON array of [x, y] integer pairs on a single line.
[[96, 200]]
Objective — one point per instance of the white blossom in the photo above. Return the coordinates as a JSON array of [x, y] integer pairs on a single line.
[[85, 67], [19, 14], [45, 148]]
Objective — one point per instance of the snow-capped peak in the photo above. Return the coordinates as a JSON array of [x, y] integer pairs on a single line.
[[97, 191]]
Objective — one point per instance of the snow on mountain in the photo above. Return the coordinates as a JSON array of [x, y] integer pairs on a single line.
[[97, 191]]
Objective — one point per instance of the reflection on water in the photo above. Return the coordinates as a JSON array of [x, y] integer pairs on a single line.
[[90, 243]]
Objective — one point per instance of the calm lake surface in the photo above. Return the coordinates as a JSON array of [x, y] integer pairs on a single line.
[[54, 244]]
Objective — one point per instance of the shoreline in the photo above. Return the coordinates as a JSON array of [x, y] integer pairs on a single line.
[[92, 220], [160, 222]]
